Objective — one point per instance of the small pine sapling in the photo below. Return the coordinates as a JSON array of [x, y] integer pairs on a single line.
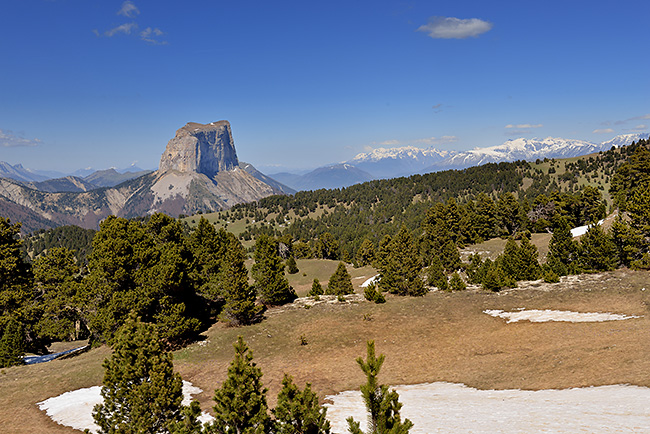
[[456, 283], [316, 289], [298, 411], [382, 404]]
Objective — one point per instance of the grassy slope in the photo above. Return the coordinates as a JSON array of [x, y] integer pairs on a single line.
[[597, 179], [439, 337]]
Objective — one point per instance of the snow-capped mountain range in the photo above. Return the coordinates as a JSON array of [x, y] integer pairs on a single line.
[[392, 162], [387, 163]]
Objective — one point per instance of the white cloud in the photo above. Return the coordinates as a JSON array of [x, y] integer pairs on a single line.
[[641, 127], [125, 28], [603, 131], [525, 126], [455, 28], [636, 118], [149, 35], [388, 143], [10, 140], [437, 140], [428, 141], [128, 9]]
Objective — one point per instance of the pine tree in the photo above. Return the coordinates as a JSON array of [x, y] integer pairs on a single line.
[[141, 392], [371, 293], [592, 205], [208, 248], [450, 256], [327, 247], [486, 221], [529, 268], [440, 236], [316, 288], [189, 422], [145, 268], [549, 275], [638, 207], [400, 273], [340, 282], [436, 274], [475, 269], [15, 275], [510, 259], [381, 254], [298, 412], [12, 342], [59, 312], [562, 250], [292, 267], [382, 404], [631, 178], [268, 273], [597, 250], [456, 283], [494, 278], [240, 403], [628, 242], [240, 307], [509, 213], [366, 253]]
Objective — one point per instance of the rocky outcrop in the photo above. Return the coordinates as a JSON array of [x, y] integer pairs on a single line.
[[206, 149]]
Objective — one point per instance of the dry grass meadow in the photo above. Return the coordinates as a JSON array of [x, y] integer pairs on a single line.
[[440, 337]]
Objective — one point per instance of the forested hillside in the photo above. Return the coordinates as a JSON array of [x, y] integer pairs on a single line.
[[490, 199]]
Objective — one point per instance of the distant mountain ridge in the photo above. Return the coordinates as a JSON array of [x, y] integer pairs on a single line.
[[111, 177], [19, 173], [392, 162], [331, 176], [403, 161], [386, 163]]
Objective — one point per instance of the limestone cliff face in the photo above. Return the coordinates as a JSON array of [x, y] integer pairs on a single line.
[[198, 148]]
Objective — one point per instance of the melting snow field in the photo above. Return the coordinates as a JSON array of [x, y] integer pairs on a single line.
[[449, 408], [534, 315], [455, 408], [75, 409]]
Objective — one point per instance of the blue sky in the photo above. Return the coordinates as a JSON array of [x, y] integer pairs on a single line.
[[106, 83]]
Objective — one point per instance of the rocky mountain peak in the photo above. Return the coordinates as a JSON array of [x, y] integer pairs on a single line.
[[207, 149]]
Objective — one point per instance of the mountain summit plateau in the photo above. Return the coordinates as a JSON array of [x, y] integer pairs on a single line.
[[207, 149]]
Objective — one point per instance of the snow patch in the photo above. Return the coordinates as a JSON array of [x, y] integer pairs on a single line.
[[449, 408], [75, 408], [373, 279], [535, 315], [581, 230]]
